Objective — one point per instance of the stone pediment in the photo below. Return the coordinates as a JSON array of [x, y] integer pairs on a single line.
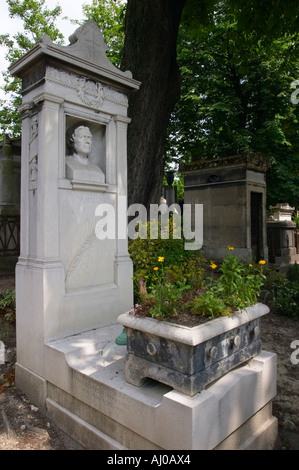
[[86, 50], [87, 43]]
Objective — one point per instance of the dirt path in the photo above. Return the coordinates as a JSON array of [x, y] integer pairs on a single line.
[[23, 427], [278, 333]]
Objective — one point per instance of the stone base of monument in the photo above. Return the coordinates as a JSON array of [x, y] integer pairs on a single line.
[[85, 393]]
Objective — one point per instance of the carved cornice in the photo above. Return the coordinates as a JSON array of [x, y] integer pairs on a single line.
[[248, 160], [91, 93], [86, 52]]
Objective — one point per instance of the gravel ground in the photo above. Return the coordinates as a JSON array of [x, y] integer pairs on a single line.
[[23, 427], [278, 333]]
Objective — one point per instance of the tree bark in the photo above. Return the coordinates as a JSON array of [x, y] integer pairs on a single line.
[[150, 54]]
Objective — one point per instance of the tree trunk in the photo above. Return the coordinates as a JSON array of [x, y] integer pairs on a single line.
[[150, 54]]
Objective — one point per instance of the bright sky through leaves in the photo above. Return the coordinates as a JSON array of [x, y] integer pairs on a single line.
[[70, 8]]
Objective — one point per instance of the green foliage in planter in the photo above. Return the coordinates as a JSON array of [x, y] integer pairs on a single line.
[[181, 267], [238, 287], [161, 287], [208, 304], [165, 297]]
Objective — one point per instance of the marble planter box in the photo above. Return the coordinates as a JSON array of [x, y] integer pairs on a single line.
[[188, 359]]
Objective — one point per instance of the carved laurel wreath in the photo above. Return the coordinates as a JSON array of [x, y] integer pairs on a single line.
[[90, 97]]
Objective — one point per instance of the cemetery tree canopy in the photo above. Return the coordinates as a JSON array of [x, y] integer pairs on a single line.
[[215, 79], [236, 95], [242, 56], [37, 21]]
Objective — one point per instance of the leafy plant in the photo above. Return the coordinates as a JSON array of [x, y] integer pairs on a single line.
[[273, 280], [37, 21], [237, 287], [8, 299], [293, 273], [8, 304], [281, 291], [296, 219], [210, 305], [235, 97], [182, 266], [164, 293], [286, 301]]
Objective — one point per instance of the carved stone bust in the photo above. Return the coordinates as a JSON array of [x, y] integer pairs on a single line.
[[78, 167]]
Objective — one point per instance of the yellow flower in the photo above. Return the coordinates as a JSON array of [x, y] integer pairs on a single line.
[[230, 247], [250, 265], [156, 268], [161, 259], [262, 261], [213, 266]]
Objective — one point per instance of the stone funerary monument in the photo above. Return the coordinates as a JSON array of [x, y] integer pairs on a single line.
[[74, 107], [72, 286]]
